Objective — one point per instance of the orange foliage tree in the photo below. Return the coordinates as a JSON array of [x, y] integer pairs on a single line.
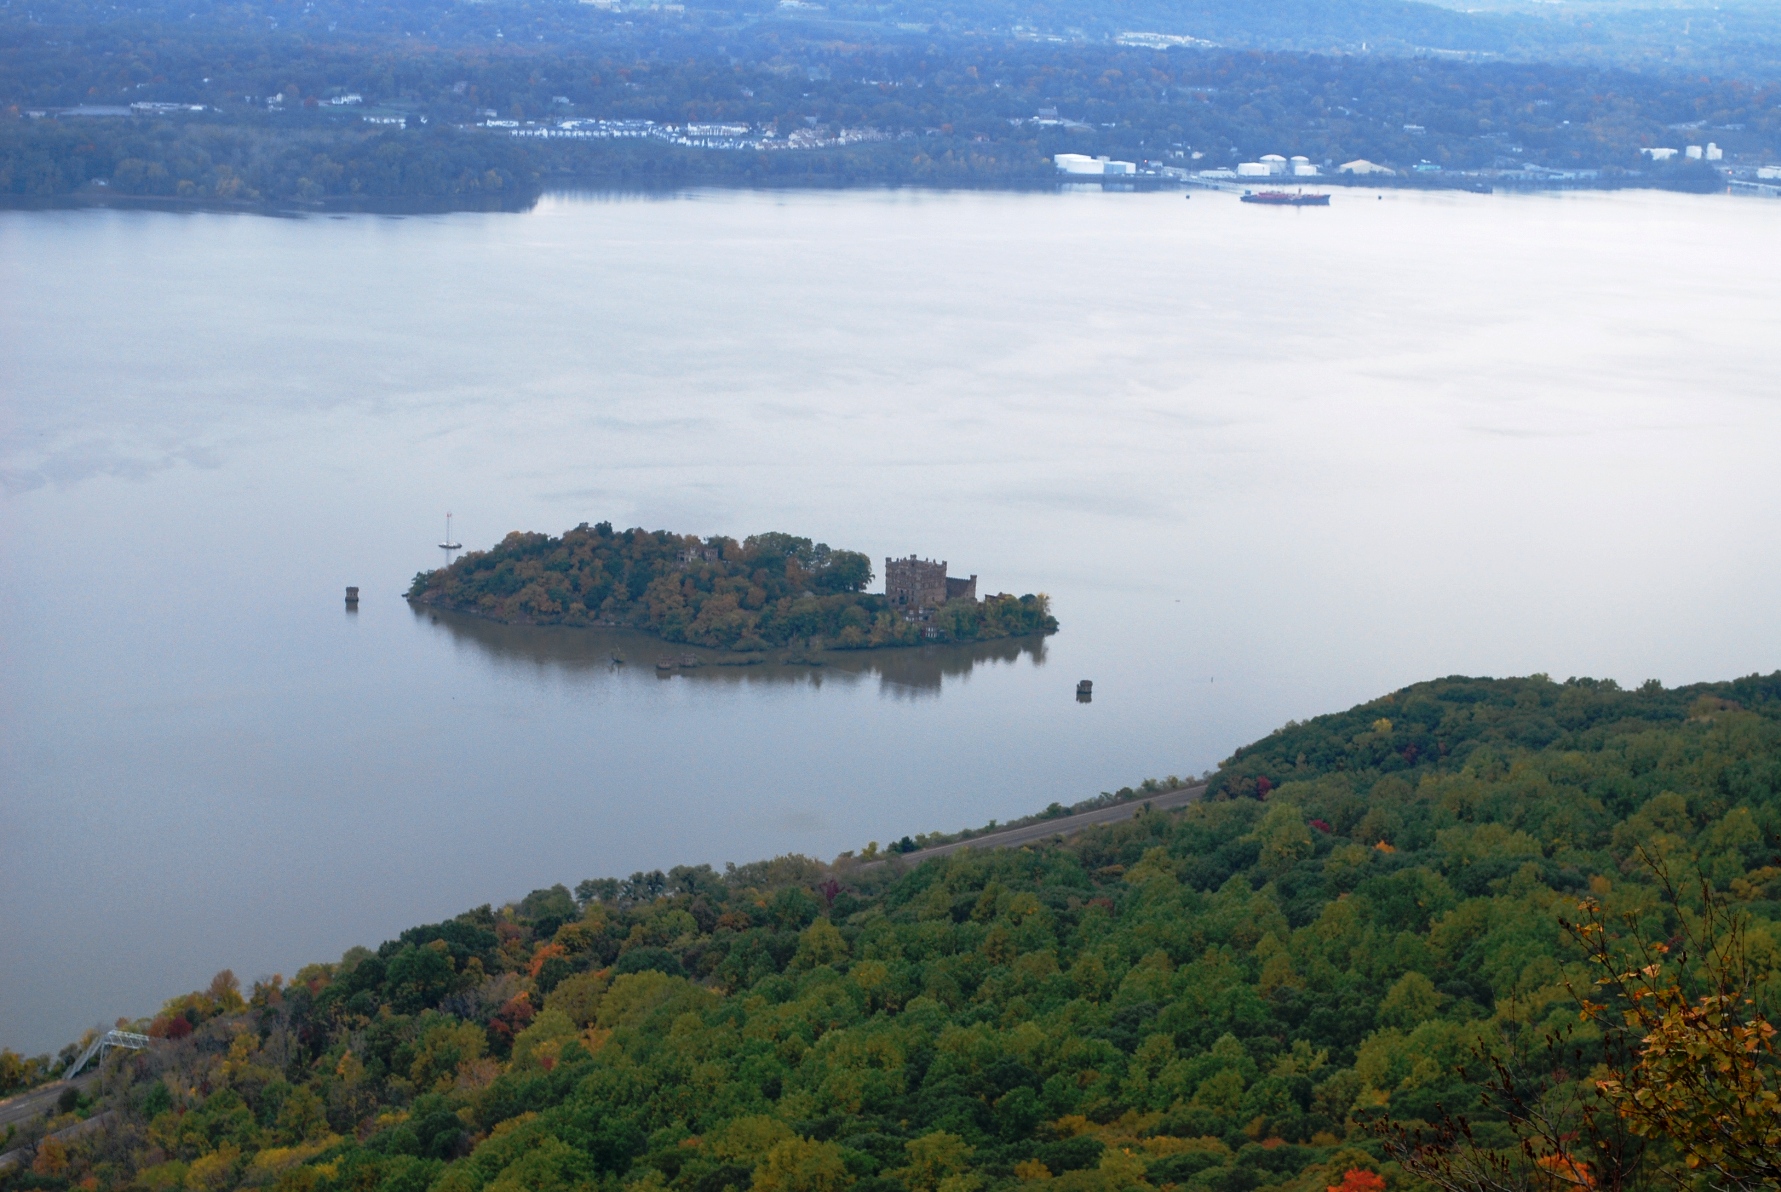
[[1358, 1179]]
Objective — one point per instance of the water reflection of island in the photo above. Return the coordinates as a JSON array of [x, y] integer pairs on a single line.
[[915, 670]]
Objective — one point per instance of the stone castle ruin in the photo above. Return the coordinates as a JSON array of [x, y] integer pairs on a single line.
[[918, 586]]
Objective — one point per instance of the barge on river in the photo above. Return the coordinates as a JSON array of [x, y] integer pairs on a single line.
[[1280, 198]]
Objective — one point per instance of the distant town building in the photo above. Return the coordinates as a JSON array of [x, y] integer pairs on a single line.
[[150, 108], [1659, 154], [1363, 166], [1159, 41], [1252, 169], [1769, 172], [915, 585], [1694, 151], [1714, 152], [1276, 164], [1302, 168]]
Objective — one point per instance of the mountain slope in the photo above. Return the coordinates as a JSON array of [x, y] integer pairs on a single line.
[[1217, 1000]]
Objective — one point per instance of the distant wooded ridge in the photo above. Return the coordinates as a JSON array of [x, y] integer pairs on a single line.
[[769, 590], [342, 105]]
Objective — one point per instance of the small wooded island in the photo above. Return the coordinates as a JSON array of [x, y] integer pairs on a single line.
[[766, 591]]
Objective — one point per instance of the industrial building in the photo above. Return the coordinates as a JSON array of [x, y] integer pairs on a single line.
[[1272, 165], [1081, 163]]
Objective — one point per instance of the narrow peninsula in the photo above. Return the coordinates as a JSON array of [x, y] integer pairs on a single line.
[[765, 592]]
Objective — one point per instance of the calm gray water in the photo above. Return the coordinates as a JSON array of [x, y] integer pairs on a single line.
[[1266, 463]]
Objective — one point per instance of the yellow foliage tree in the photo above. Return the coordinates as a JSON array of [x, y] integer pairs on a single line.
[[1707, 1074], [802, 1165]]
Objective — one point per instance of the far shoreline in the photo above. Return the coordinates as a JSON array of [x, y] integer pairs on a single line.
[[399, 206]]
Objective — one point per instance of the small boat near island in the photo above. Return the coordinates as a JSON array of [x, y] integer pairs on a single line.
[[1281, 198]]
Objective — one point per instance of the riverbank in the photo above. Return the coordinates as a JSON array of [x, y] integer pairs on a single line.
[[608, 646], [631, 185], [1054, 823]]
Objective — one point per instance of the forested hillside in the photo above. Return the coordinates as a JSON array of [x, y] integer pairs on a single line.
[[1217, 1000]]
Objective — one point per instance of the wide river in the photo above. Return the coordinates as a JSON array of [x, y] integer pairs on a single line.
[[1267, 463]]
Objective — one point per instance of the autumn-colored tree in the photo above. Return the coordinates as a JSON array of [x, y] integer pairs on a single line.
[[225, 991], [512, 1018], [1565, 1139], [1358, 1179], [51, 1158], [18, 1072], [1707, 1075], [1687, 1070]]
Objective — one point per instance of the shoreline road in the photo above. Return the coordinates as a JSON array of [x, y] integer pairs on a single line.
[[1063, 825], [16, 1111], [25, 1106]]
